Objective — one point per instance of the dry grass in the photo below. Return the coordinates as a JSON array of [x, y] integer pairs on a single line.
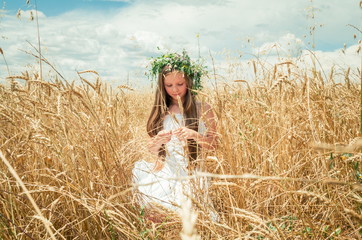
[[286, 166]]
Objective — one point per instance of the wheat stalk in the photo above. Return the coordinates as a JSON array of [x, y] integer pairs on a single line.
[[40, 216], [189, 219]]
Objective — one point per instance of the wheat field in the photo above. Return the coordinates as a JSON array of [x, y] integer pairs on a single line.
[[287, 164]]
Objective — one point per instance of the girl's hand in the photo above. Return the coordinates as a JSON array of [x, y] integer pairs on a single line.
[[185, 133], [156, 142], [163, 137]]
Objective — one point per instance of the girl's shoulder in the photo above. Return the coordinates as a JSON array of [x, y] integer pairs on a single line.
[[202, 108], [203, 105]]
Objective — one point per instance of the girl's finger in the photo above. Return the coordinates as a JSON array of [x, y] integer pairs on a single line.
[[164, 134]]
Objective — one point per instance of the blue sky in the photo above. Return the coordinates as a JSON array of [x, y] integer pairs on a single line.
[[117, 38], [56, 7]]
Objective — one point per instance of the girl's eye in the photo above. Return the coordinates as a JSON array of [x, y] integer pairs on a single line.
[[180, 84], [168, 85]]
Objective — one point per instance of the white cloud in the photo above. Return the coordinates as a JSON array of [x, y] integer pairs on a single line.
[[286, 46], [339, 60], [30, 14], [117, 44]]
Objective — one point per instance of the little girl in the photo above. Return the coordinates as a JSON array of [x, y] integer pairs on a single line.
[[178, 127]]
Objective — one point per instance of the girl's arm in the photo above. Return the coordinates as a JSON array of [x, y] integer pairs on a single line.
[[154, 145], [208, 140]]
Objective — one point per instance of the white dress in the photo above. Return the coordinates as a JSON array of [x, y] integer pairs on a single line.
[[166, 187]]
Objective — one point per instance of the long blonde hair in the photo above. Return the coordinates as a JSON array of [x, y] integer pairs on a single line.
[[163, 102]]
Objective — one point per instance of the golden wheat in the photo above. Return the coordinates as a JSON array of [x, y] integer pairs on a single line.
[[287, 163]]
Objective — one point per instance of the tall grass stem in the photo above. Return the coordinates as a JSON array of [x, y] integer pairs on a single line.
[[31, 199]]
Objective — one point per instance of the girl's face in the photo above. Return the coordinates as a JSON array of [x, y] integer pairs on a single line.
[[175, 85]]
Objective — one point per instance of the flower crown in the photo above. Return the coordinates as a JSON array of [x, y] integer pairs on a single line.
[[182, 63]]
